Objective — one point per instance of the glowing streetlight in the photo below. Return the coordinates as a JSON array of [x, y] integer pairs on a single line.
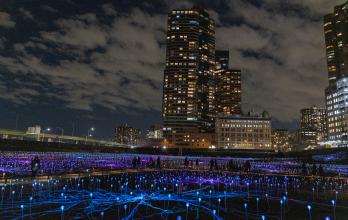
[[309, 207], [333, 202], [89, 133]]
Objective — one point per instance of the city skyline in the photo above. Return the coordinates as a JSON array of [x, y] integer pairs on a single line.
[[174, 109], [102, 65]]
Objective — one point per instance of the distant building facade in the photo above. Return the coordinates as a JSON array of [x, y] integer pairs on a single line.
[[313, 128], [281, 140], [243, 132], [155, 132], [127, 135], [34, 130], [200, 140]]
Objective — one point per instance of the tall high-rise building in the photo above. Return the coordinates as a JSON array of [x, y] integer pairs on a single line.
[[313, 127], [336, 40], [188, 88], [228, 97]]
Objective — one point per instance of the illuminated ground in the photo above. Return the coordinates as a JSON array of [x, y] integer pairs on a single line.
[[155, 195], [105, 186], [18, 163]]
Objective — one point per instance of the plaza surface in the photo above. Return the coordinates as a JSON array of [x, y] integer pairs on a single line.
[[18, 163]]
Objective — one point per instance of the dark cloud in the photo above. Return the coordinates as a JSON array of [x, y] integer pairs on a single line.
[[130, 49], [27, 14], [109, 9], [289, 72], [49, 9]]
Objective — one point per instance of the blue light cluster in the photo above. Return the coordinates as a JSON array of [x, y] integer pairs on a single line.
[[172, 194]]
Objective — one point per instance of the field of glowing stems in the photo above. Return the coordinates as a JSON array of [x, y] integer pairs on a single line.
[[172, 193]]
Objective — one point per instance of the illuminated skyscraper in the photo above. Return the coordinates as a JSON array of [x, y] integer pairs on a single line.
[[189, 86], [228, 96], [336, 40]]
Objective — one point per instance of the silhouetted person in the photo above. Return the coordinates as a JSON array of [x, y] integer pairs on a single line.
[[180, 189], [151, 163], [304, 169], [321, 170], [186, 162], [247, 166], [197, 163], [230, 165], [134, 163], [216, 165], [138, 162], [35, 166], [314, 170], [211, 164], [158, 162]]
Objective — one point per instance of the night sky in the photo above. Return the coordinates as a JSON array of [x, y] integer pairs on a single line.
[[100, 63]]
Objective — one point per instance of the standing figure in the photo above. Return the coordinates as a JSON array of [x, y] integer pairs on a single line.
[[216, 167], [314, 170], [321, 170], [35, 166], [158, 162], [211, 164], [247, 166], [304, 168], [138, 162], [186, 162], [134, 162], [180, 189]]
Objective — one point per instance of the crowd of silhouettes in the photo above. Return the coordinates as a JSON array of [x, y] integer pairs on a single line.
[[213, 165], [231, 165], [136, 162], [315, 171]]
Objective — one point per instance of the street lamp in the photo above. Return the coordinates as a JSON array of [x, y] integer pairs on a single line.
[[43, 133], [89, 133], [61, 132]]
